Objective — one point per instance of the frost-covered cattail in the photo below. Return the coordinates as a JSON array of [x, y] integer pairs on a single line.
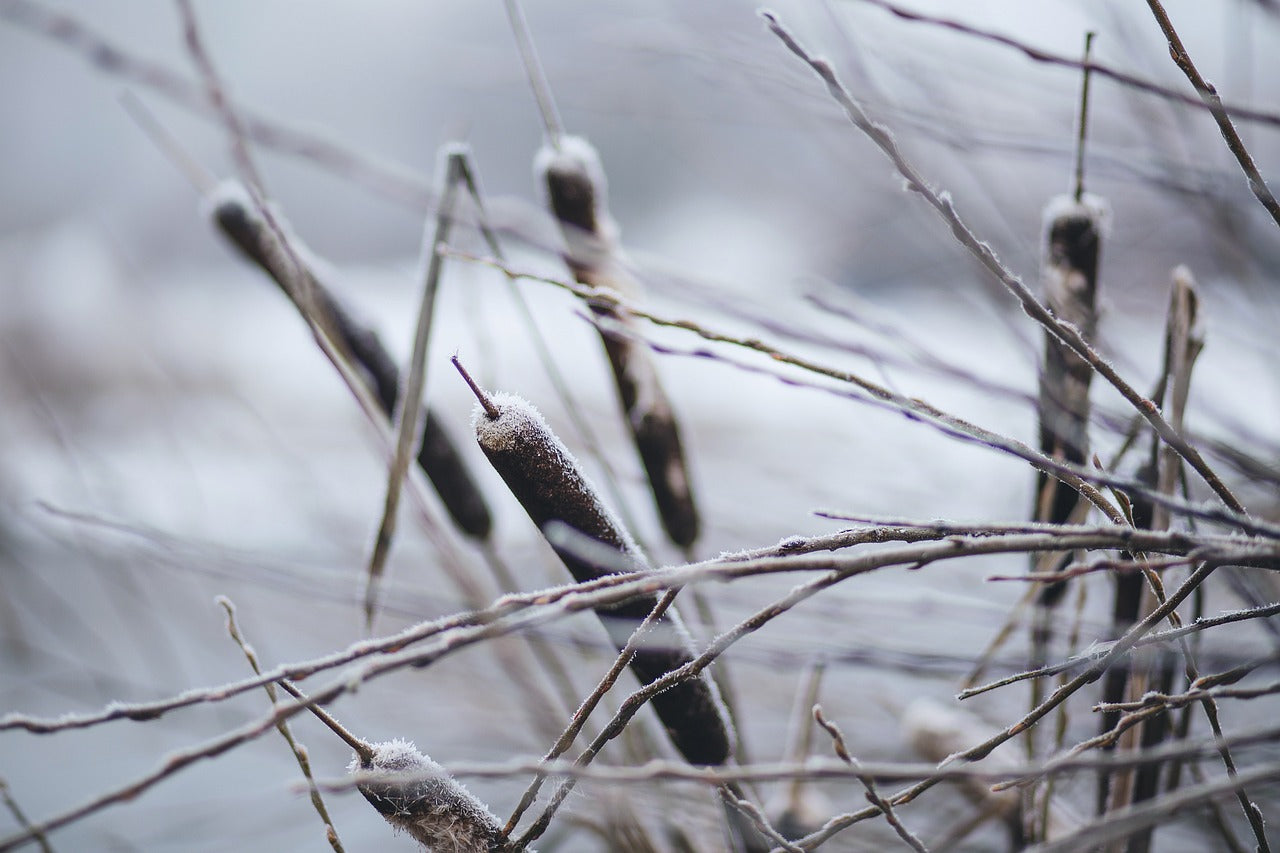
[[438, 456], [417, 795], [414, 793], [1073, 237], [550, 485], [570, 172]]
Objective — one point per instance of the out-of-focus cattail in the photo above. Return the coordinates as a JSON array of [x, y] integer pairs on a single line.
[[1074, 227], [414, 793], [1073, 237], [417, 795], [550, 485], [438, 455], [570, 171]]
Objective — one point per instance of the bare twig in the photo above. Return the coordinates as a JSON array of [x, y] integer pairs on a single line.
[[1062, 61], [868, 782], [1209, 94], [299, 751], [942, 203]]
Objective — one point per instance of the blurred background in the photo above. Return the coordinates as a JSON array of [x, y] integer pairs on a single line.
[[169, 431]]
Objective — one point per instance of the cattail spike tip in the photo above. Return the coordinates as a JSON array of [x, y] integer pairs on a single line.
[[486, 402]]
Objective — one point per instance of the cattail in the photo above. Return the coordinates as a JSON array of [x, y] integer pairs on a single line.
[[570, 171], [550, 485], [419, 797], [438, 455], [1073, 236]]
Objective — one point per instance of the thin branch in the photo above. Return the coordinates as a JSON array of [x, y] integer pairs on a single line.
[[20, 816], [299, 751], [943, 204], [1209, 94], [1100, 649], [517, 612], [1179, 700], [407, 428], [868, 782], [1062, 61]]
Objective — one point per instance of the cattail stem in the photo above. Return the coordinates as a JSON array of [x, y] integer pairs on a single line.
[[486, 402], [534, 72], [1083, 134]]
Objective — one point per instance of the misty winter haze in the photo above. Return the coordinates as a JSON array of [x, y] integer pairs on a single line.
[[170, 431]]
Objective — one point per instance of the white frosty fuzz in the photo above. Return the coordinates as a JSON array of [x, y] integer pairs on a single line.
[[1092, 207]]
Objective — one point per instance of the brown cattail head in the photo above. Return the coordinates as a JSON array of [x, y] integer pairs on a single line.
[[1073, 238], [546, 479], [577, 192], [417, 795], [438, 455], [550, 485], [574, 181]]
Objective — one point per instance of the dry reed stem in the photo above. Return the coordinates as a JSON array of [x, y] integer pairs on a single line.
[[415, 386], [941, 202], [588, 705], [1183, 342], [868, 782], [1036, 54], [799, 739]]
